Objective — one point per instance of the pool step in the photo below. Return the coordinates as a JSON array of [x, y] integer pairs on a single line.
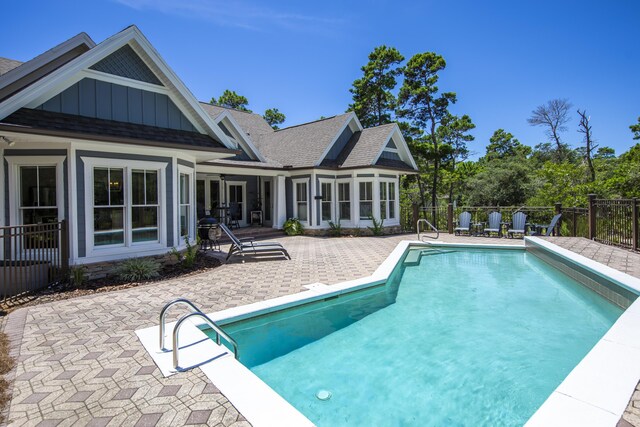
[[413, 257]]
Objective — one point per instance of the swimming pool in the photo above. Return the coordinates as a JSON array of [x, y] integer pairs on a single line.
[[455, 337]]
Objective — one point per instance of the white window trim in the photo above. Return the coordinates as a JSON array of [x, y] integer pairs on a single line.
[[190, 172], [332, 210], [227, 184], [14, 163], [105, 251], [374, 199], [295, 199], [345, 222], [387, 181]]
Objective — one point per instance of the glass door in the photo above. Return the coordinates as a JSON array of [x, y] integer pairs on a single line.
[[268, 201]]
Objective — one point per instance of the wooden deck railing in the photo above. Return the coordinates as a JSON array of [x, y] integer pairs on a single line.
[[33, 257]]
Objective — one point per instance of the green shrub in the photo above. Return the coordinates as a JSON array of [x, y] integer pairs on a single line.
[[138, 269], [293, 227], [78, 276], [376, 227], [189, 256], [335, 229]]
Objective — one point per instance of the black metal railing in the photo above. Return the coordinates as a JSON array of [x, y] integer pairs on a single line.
[[614, 222], [33, 257]]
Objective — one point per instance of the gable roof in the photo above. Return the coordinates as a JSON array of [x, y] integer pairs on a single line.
[[27, 73], [76, 69], [251, 123], [70, 125], [7, 65], [302, 145]]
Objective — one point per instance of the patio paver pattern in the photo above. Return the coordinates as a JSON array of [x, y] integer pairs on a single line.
[[80, 363]]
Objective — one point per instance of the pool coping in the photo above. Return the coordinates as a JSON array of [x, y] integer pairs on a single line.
[[597, 390], [585, 395]]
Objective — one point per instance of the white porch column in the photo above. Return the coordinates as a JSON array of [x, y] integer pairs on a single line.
[[281, 202]]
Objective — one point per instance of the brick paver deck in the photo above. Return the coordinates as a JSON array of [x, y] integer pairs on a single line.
[[80, 363]]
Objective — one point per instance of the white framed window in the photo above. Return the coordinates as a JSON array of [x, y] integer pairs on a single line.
[[387, 200], [186, 203], [237, 201], [36, 189], [365, 199], [327, 203], [124, 205], [301, 199], [344, 200]]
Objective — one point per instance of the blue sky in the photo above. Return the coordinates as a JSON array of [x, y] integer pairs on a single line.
[[503, 57]]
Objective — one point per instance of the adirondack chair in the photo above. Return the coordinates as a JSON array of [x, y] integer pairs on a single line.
[[518, 224], [495, 224], [464, 223], [548, 228]]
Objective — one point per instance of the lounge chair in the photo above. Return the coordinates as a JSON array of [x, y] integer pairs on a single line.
[[495, 224], [464, 222], [548, 228], [518, 224], [248, 246]]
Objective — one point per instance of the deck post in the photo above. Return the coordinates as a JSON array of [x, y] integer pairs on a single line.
[[414, 219], [634, 223], [574, 219], [592, 216], [450, 218]]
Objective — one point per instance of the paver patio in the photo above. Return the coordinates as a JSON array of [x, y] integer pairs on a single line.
[[80, 363]]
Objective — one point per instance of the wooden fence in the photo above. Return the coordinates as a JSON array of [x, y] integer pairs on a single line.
[[33, 257]]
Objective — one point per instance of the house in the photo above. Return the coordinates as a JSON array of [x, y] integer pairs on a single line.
[[107, 138]]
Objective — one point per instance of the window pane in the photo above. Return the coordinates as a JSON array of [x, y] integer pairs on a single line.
[[144, 221], [184, 189], [392, 209], [383, 191], [326, 211], [137, 187], [392, 191], [326, 192], [214, 195], [152, 187], [184, 220], [108, 224], [366, 210], [345, 211], [301, 188], [101, 187], [47, 184], [383, 210], [29, 186], [39, 216], [302, 211], [116, 187]]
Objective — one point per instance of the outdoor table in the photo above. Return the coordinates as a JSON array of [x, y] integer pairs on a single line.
[[209, 236], [477, 227]]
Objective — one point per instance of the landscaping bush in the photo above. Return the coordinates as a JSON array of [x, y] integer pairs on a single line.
[[138, 269], [78, 276], [189, 256], [335, 229], [376, 227], [293, 227]]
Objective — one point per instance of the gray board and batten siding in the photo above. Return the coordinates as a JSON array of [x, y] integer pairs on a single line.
[[340, 143], [82, 203], [110, 101]]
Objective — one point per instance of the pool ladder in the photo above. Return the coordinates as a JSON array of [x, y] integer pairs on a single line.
[[195, 312], [422, 220]]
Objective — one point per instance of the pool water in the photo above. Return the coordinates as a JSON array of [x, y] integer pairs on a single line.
[[463, 338]]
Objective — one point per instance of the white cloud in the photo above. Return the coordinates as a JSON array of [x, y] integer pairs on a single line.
[[240, 14]]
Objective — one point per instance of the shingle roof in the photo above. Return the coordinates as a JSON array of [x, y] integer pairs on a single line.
[[47, 120], [251, 123], [7, 65], [362, 150], [302, 145]]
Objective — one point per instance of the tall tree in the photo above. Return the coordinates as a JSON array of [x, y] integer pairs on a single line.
[[373, 101], [584, 127], [503, 144], [424, 107], [636, 129], [454, 133], [274, 117], [554, 116], [231, 99]]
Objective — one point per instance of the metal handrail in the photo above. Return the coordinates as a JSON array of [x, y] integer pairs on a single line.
[[163, 315], [212, 324], [430, 225]]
